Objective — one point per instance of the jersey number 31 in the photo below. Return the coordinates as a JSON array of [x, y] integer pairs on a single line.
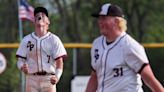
[[118, 72]]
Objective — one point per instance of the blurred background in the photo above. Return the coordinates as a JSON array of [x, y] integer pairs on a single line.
[[71, 20]]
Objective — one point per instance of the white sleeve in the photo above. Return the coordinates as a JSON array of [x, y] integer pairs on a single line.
[[22, 50], [92, 58], [135, 56], [20, 63], [58, 49]]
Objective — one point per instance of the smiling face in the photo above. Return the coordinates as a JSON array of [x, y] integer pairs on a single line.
[[106, 24]]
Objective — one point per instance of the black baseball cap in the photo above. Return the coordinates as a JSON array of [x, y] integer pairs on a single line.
[[41, 9], [109, 10]]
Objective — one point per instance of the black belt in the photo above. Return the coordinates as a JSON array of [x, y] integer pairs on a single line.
[[42, 73]]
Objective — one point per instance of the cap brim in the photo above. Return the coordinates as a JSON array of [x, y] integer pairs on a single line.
[[97, 15]]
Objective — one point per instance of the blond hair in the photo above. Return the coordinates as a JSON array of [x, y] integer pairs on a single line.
[[122, 24]]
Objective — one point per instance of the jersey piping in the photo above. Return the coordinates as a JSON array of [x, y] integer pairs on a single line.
[[41, 51], [102, 42], [21, 57], [44, 37], [143, 66], [36, 51], [106, 60]]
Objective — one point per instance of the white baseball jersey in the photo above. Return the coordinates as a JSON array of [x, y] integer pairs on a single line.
[[118, 64], [41, 52]]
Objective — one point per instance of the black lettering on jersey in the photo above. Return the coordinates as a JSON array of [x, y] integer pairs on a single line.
[[96, 55], [30, 45], [48, 56], [118, 72]]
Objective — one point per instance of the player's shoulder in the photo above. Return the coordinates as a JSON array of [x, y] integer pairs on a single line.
[[52, 35], [129, 42], [98, 39], [27, 37]]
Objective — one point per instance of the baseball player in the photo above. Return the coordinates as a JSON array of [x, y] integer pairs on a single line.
[[118, 61], [40, 56]]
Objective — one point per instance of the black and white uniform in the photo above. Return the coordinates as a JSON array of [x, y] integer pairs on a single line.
[[118, 64], [40, 53]]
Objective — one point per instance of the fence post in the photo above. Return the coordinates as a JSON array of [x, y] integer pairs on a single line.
[[74, 62]]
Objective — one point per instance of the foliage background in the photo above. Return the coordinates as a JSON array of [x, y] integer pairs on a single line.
[[71, 21]]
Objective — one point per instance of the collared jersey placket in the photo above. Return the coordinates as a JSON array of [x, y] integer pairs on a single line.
[[39, 54], [105, 56], [104, 67]]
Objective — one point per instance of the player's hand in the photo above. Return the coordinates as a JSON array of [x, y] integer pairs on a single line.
[[24, 68], [54, 80]]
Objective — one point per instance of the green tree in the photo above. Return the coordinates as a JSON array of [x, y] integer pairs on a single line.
[[9, 79]]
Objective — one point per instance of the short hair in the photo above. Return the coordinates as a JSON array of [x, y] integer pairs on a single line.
[[40, 9]]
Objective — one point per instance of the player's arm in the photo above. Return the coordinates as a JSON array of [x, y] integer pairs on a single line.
[[59, 70], [20, 62], [59, 67], [22, 65], [150, 80], [92, 83]]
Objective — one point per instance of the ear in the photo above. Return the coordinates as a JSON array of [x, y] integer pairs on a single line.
[[47, 20]]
